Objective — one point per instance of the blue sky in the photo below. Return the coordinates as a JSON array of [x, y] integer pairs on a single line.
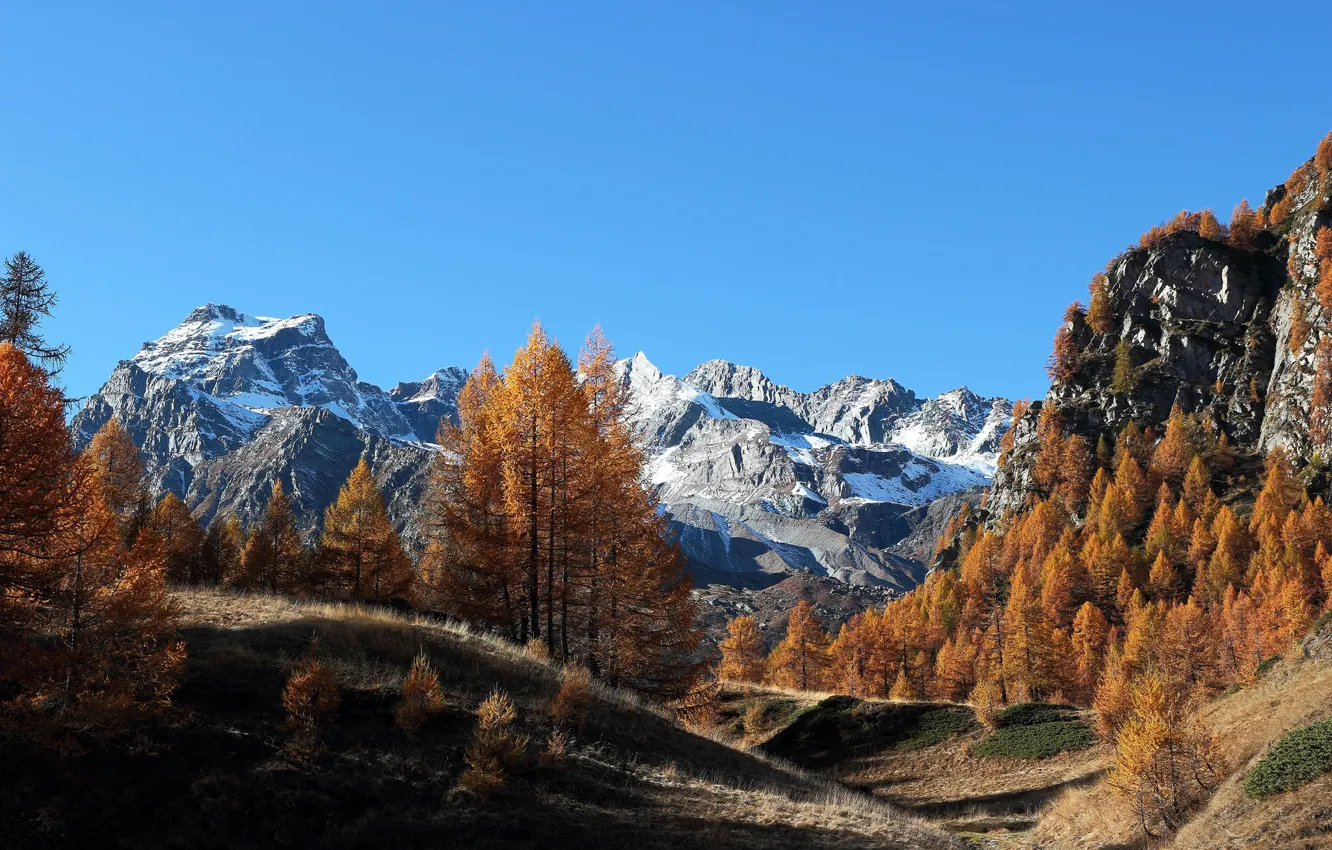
[[815, 189]]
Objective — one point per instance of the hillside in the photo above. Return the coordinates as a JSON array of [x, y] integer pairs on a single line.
[[1290, 695], [213, 772]]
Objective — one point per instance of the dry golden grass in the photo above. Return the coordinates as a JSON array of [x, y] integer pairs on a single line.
[[1294, 693], [634, 777]]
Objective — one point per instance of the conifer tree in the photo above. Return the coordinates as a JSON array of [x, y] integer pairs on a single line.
[[1210, 228], [800, 660], [1320, 399], [1100, 315], [36, 459], [539, 525], [1076, 470], [1172, 456], [1063, 363], [1244, 225], [120, 477], [181, 538], [25, 299], [360, 555], [1124, 378], [743, 653], [104, 602], [1090, 635], [273, 558], [1165, 758], [222, 547], [469, 566]]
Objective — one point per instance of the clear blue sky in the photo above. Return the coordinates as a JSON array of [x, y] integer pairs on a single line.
[[815, 189]]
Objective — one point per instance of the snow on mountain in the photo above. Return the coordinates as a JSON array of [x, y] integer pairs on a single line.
[[261, 364], [225, 403], [426, 403], [852, 458], [755, 477]]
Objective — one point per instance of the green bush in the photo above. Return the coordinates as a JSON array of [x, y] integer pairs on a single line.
[[1267, 664], [1299, 757], [934, 727], [1037, 740], [1032, 713]]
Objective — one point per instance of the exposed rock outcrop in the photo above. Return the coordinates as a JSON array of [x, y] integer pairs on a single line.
[[1209, 326]]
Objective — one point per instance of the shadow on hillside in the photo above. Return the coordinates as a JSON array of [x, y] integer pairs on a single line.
[[1015, 802], [213, 772]]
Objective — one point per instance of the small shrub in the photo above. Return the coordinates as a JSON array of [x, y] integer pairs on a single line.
[[1037, 741], [421, 696], [496, 746], [557, 747], [571, 704], [1267, 664], [310, 698], [1300, 757], [756, 719], [537, 650]]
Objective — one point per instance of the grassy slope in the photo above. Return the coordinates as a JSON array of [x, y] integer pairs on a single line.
[[1292, 694], [916, 755], [214, 772]]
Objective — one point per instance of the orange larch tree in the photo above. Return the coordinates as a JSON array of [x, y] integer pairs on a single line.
[[801, 659], [742, 650]]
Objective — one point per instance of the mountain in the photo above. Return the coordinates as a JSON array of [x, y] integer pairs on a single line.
[[757, 479], [1228, 332], [226, 403]]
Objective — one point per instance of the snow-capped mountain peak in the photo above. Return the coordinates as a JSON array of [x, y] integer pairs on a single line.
[[259, 363], [828, 474]]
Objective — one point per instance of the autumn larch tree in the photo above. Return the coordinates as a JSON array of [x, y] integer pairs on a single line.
[[222, 548], [1244, 225], [743, 652], [25, 299], [801, 658], [1320, 400], [540, 526], [1323, 255], [1064, 357], [273, 558], [1165, 759], [360, 555], [1124, 377], [1210, 228], [87, 628], [182, 540], [36, 459], [469, 568], [121, 478], [1100, 315]]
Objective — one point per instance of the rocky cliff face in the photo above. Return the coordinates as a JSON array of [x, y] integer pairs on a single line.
[[1210, 329]]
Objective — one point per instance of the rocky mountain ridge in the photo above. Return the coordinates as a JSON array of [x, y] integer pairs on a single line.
[[760, 478], [757, 479]]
